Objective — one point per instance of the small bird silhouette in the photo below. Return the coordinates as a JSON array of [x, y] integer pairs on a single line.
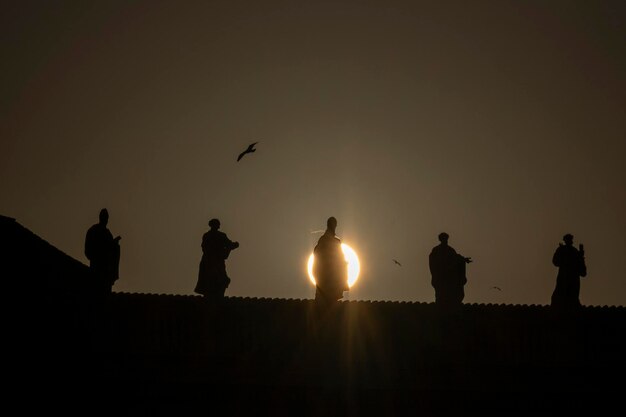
[[396, 262], [249, 150], [497, 288]]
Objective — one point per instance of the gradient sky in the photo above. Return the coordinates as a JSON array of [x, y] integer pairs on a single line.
[[500, 122]]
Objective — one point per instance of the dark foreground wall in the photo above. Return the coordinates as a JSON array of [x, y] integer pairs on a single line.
[[167, 355]]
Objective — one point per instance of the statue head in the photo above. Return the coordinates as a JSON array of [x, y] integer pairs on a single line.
[[214, 224], [568, 239], [331, 224], [104, 216]]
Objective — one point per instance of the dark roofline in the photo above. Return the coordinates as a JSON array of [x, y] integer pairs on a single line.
[[34, 265], [358, 302]]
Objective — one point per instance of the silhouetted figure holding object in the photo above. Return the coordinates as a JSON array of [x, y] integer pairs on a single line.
[[448, 273], [571, 264], [330, 268], [250, 149], [103, 252], [212, 277]]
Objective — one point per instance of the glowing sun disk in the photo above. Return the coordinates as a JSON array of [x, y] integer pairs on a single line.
[[354, 267]]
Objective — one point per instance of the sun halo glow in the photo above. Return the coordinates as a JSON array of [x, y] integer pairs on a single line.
[[354, 267]]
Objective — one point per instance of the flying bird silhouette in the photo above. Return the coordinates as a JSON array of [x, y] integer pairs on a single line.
[[249, 150], [396, 262], [497, 288]]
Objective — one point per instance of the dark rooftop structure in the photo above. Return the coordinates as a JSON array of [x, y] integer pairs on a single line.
[[148, 354]]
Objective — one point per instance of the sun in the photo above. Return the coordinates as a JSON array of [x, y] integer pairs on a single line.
[[354, 267]]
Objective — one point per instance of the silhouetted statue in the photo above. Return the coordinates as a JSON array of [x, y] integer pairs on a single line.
[[571, 264], [330, 267], [103, 252], [448, 273], [216, 247]]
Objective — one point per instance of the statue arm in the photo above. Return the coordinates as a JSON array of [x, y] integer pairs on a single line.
[[556, 258], [228, 244], [88, 245], [431, 263], [205, 244], [231, 245], [583, 266]]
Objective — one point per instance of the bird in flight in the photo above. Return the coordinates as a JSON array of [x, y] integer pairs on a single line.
[[396, 262], [249, 150], [497, 288]]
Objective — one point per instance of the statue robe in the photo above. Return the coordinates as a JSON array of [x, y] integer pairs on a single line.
[[330, 268]]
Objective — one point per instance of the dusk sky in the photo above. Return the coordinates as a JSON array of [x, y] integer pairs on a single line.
[[502, 123]]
